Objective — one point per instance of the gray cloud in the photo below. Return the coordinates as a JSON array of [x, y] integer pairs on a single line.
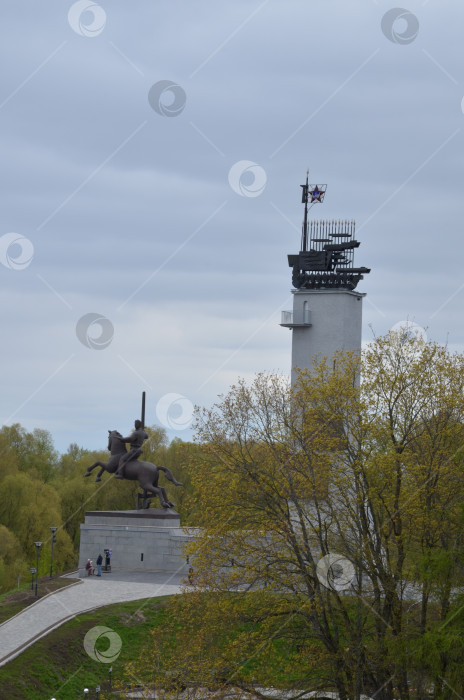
[[113, 195]]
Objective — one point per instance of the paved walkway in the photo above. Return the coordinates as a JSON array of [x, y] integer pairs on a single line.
[[92, 592]]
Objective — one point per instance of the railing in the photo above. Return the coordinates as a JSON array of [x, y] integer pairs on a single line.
[[287, 317], [302, 318]]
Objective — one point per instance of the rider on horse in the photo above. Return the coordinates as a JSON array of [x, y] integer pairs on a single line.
[[143, 472], [136, 441]]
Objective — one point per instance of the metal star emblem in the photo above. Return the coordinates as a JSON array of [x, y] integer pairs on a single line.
[[317, 193]]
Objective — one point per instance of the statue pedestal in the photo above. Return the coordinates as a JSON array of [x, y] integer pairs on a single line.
[[140, 540]]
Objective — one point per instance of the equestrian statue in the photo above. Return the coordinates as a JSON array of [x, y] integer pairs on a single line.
[[125, 465]]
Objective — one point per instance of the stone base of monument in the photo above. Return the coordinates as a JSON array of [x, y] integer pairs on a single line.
[[140, 540]]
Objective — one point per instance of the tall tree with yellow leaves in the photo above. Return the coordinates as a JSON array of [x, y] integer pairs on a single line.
[[329, 550]]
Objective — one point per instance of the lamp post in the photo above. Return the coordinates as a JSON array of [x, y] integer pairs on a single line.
[[110, 671], [37, 546], [53, 529], [86, 692], [32, 578]]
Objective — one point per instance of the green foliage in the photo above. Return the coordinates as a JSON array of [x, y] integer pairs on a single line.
[[58, 666], [28, 507], [32, 452], [12, 564], [40, 489], [177, 457], [218, 641], [369, 472], [155, 447]]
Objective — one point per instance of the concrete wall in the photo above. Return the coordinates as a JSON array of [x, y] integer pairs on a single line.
[[336, 318], [129, 534]]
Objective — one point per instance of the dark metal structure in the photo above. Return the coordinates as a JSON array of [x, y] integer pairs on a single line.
[[326, 257], [145, 473], [142, 417], [37, 546], [53, 529]]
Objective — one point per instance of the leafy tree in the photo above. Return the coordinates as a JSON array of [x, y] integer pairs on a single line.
[[29, 502], [177, 457], [68, 460], [33, 452], [12, 564], [28, 508], [154, 448], [334, 511]]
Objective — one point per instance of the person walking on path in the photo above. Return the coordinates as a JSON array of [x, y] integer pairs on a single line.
[[99, 565]]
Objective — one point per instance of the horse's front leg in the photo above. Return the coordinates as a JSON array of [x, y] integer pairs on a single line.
[[92, 467], [99, 475]]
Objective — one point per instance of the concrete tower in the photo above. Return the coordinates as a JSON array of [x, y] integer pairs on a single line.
[[327, 311]]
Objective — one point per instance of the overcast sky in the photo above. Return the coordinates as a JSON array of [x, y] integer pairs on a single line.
[[152, 154]]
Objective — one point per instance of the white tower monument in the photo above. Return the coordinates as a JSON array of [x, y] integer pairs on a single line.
[[327, 311]]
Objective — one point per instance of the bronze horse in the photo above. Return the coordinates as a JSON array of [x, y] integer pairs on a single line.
[[145, 473]]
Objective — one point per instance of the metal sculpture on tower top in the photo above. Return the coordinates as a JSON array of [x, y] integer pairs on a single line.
[[326, 257]]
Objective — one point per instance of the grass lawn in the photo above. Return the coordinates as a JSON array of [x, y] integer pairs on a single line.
[[58, 666]]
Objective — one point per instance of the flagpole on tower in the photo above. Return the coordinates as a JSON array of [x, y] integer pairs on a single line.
[[317, 193], [304, 199]]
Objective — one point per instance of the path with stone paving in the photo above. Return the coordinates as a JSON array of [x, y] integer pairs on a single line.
[[48, 613]]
